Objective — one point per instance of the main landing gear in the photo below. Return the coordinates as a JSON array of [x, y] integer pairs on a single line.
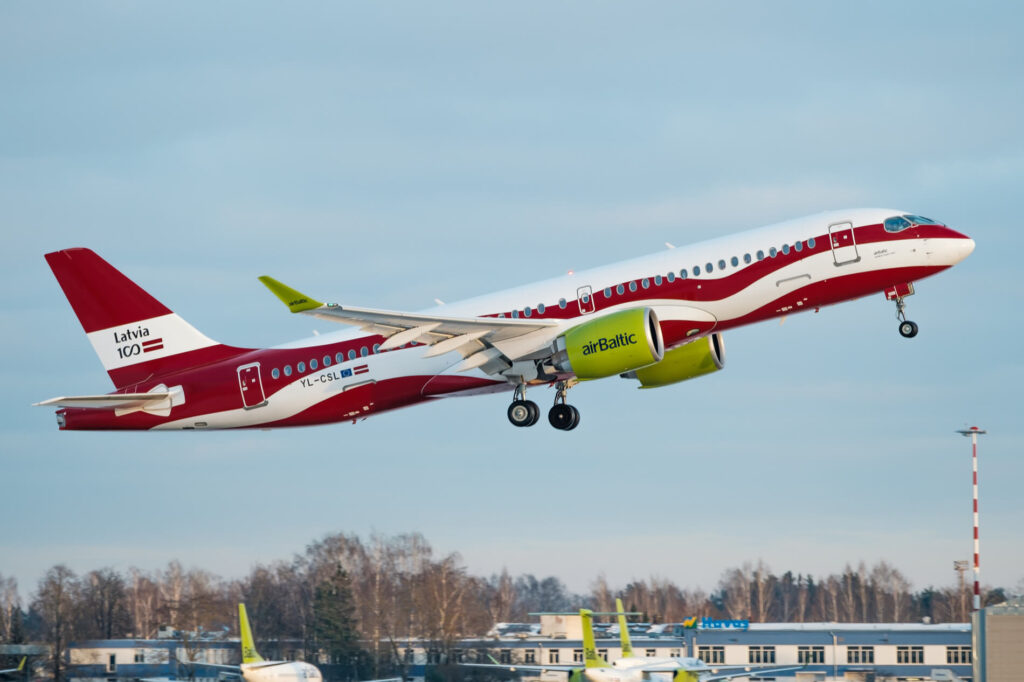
[[562, 416]]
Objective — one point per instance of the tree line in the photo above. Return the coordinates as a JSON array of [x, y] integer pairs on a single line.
[[348, 603]]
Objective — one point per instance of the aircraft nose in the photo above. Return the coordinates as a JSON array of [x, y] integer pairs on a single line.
[[962, 247]]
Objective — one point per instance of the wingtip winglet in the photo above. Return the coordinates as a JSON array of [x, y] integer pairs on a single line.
[[296, 301]]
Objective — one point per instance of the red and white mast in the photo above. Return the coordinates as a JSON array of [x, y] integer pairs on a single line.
[[974, 432]]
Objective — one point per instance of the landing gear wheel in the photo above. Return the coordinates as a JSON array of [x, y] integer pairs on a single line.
[[908, 329], [563, 417], [575, 418], [523, 413]]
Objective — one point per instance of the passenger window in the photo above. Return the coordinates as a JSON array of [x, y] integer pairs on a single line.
[[708, 267], [773, 252], [327, 361], [735, 261], [799, 246], [746, 258], [527, 311], [352, 353], [540, 308], [301, 367], [607, 292], [376, 348], [810, 243], [785, 249], [620, 290], [339, 358], [696, 270], [671, 277], [312, 364], [760, 255], [657, 280], [682, 275], [515, 314], [721, 265], [276, 373], [645, 283], [363, 351], [287, 370], [561, 303], [632, 286]]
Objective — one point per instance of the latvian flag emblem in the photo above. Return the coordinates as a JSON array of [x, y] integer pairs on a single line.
[[360, 369], [152, 344]]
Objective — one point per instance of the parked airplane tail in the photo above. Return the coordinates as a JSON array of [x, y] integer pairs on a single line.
[[134, 335], [590, 657], [627, 645], [249, 654]]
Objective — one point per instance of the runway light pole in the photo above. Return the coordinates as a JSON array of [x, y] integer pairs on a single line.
[[974, 432]]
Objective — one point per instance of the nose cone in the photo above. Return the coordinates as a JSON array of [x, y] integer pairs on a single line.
[[962, 247]]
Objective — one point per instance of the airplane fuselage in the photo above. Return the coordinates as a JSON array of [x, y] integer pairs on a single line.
[[697, 290]]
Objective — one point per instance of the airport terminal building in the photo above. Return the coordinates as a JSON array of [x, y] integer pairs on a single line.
[[868, 652]]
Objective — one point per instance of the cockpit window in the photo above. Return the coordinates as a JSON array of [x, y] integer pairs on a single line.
[[900, 223], [896, 224], [921, 220]]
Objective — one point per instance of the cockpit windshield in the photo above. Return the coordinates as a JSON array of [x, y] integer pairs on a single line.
[[901, 222]]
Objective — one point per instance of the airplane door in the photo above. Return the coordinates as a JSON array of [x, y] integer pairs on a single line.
[[251, 386], [585, 299], [844, 247]]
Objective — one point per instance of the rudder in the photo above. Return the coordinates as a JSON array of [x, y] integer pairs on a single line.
[[249, 654], [134, 335]]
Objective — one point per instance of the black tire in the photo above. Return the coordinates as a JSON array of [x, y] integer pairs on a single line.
[[520, 414], [534, 412], [908, 329], [561, 417], [575, 418]]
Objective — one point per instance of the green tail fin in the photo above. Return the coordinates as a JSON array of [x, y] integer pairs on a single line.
[[249, 654], [590, 657], [627, 645]]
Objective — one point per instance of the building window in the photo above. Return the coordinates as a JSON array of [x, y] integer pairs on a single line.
[[408, 656], [860, 654], [140, 657], [577, 655], [910, 654], [762, 654], [112, 663], [810, 654], [433, 656], [649, 653], [675, 653], [529, 656], [505, 656], [711, 654], [959, 655], [602, 653], [552, 655]]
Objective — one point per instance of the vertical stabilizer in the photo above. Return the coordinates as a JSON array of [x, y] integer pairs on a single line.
[[249, 654], [590, 657], [135, 336], [627, 645]]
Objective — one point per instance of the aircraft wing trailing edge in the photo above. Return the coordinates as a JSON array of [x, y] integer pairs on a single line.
[[485, 342]]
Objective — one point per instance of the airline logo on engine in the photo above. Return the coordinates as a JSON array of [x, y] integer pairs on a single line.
[[605, 343]]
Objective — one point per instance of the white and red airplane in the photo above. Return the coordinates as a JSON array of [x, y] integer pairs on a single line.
[[657, 319]]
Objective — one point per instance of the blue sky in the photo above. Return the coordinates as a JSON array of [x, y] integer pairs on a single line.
[[383, 154]]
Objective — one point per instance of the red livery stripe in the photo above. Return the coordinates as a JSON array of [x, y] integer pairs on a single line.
[[146, 349], [361, 369]]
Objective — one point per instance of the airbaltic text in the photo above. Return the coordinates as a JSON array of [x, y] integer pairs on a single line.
[[609, 343]]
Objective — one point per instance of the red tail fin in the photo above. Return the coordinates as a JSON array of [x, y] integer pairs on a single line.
[[135, 336]]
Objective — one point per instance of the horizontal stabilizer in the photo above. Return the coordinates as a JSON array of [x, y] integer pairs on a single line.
[[104, 402], [158, 401]]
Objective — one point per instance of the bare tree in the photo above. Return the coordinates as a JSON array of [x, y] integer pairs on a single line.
[[55, 605]]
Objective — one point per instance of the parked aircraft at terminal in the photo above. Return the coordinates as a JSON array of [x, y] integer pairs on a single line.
[[19, 669], [657, 319]]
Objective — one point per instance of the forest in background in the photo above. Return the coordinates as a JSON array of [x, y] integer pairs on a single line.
[[346, 602]]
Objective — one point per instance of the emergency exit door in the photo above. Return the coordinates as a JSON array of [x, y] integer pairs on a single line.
[[844, 246], [251, 386]]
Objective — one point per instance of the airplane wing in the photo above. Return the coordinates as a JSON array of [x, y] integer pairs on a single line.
[[747, 673], [711, 673], [523, 668], [486, 342]]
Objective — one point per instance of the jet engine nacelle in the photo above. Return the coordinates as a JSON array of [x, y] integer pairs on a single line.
[[611, 344], [703, 356]]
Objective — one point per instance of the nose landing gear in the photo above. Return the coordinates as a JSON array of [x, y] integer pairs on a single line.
[[908, 329]]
